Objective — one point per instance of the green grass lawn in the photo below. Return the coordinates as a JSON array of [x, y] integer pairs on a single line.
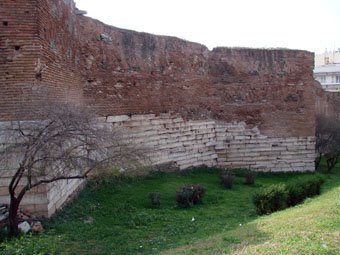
[[226, 223]]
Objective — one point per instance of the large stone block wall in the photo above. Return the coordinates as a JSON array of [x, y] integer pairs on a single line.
[[173, 141], [59, 193], [170, 140], [43, 200], [242, 147]]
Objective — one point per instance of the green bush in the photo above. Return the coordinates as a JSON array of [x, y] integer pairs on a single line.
[[227, 180], [281, 196], [190, 195], [249, 177], [270, 199], [301, 188]]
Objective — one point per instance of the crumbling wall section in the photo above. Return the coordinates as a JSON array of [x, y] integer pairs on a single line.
[[136, 73]]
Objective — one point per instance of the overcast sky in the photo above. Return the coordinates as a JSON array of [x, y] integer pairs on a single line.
[[312, 25]]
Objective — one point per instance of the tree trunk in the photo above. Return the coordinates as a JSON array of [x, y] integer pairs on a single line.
[[317, 161], [13, 217], [331, 162]]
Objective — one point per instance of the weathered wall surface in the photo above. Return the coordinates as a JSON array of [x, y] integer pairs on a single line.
[[39, 51], [181, 144], [124, 72], [327, 103], [19, 49], [45, 199], [140, 73], [229, 107], [60, 68]]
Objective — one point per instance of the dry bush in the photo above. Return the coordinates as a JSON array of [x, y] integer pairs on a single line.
[[327, 140], [63, 142]]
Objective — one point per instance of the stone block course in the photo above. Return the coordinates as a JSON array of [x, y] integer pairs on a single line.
[[218, 146], [116, 118]]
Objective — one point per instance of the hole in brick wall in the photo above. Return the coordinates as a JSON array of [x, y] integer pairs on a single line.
[[17, 48], [38, 76], [5, 23]]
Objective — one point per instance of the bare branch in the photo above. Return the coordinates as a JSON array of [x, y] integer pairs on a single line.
[[63, 143]]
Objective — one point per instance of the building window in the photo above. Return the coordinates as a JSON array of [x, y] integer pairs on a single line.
[[337, 79], [322, 79]]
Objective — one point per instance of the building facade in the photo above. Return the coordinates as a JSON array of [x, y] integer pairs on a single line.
[[328, 76], [327, 70]]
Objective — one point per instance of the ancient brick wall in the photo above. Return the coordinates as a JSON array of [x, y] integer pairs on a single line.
[[229, 107], [40, 55], [124, 72], [61, 51], [19, 50], [129, 72]]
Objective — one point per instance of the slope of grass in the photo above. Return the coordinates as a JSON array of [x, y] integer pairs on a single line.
[[310, 228], [115, 217]]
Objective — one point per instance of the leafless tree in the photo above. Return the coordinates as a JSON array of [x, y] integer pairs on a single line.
[[63, 142], [327, 140]]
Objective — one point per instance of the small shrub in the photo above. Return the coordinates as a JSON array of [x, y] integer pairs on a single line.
[[249, 178], [227, 180], [302, 188], [295, 194], [270, 199], [190, 195], [155, 199], [277, 197]]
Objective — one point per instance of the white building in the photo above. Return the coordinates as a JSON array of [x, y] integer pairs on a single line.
[[328, 57], [327, 70]]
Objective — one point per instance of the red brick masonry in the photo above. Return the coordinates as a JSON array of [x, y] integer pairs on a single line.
[[43, 43]]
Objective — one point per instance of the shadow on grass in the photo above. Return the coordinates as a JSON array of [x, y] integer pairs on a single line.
[[225, 242]]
